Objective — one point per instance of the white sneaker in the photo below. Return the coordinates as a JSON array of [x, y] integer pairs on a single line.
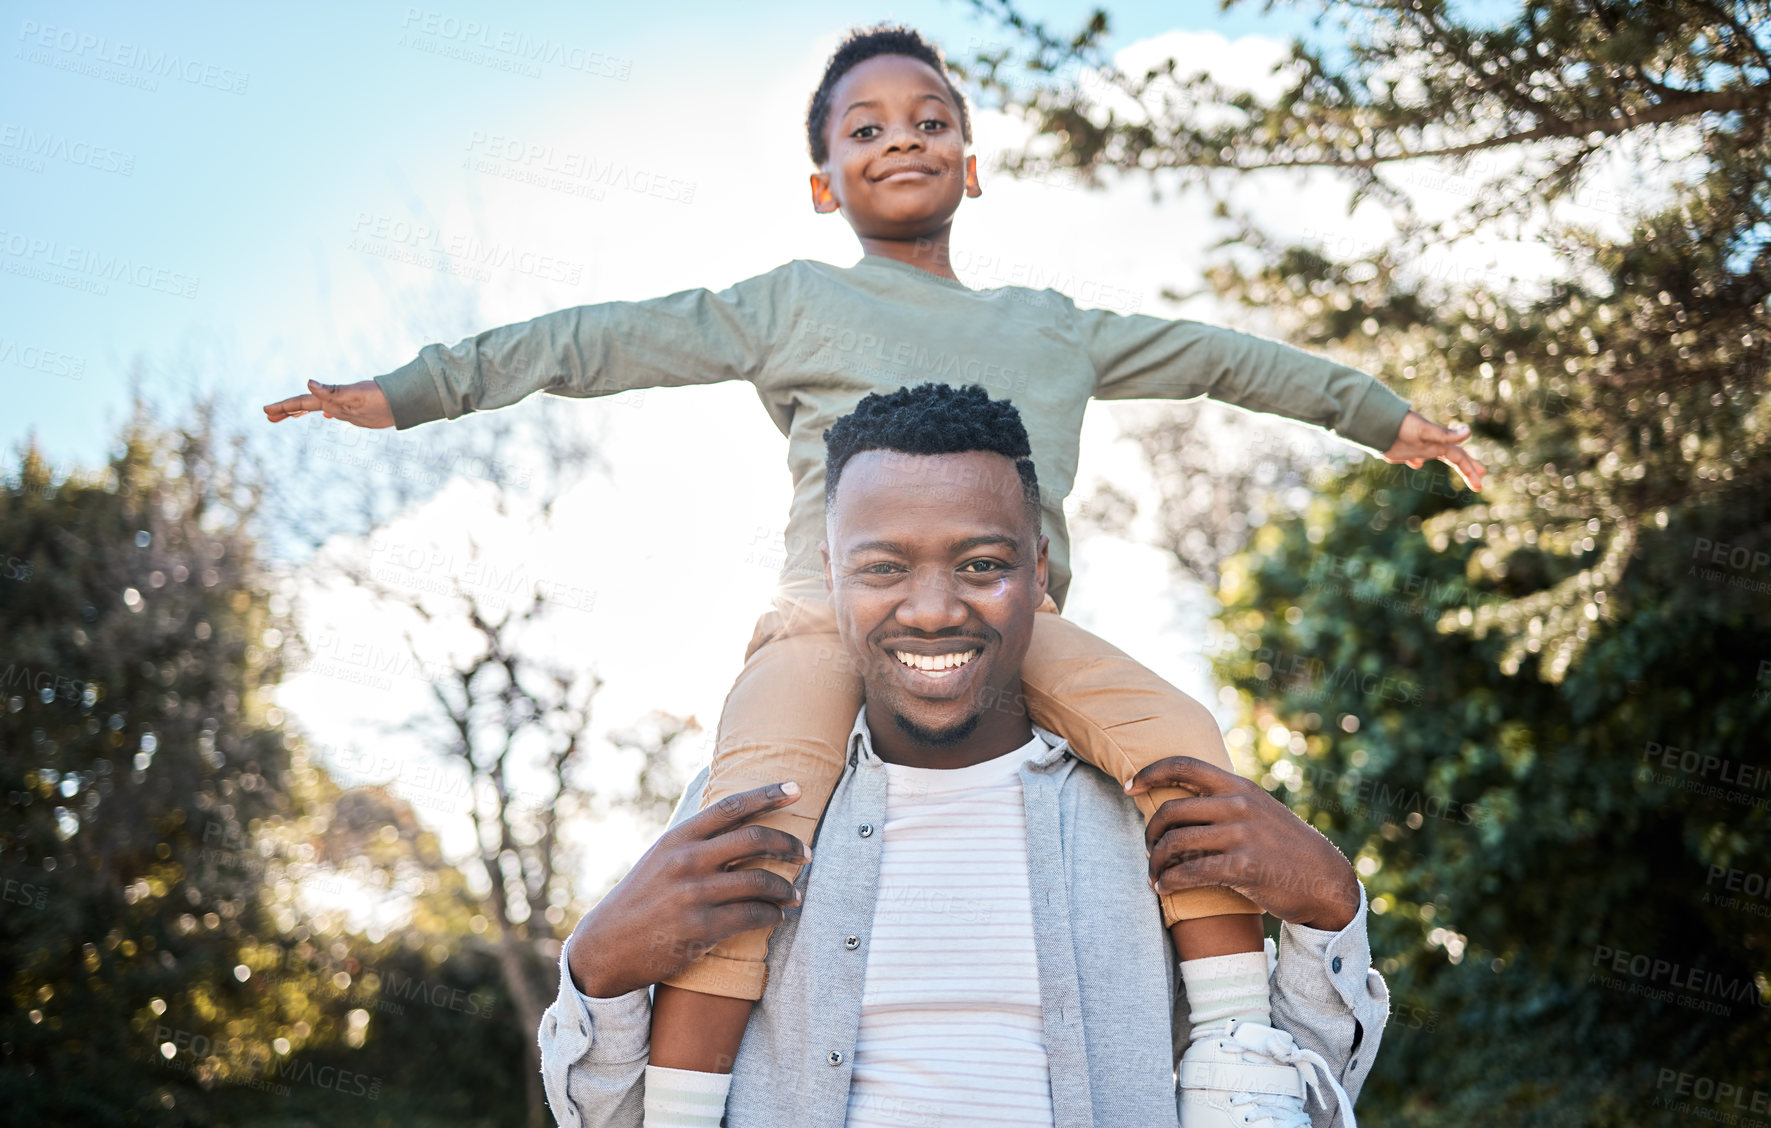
[[1243, 1073]]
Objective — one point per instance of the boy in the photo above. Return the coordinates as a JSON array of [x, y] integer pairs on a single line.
[[888, 132]]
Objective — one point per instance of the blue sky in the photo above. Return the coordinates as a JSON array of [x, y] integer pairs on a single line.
[[240, 199], [205, 166]]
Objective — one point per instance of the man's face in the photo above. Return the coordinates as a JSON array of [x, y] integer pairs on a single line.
[[897, 166], [935, 568]]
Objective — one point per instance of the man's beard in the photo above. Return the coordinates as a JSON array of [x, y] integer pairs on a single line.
[[936, 738]]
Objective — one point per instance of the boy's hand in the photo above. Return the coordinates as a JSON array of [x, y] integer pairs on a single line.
[[1420, 440], [362, 403]]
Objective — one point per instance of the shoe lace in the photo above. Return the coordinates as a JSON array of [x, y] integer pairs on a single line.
[[1257, 1109], [1278, 1046]]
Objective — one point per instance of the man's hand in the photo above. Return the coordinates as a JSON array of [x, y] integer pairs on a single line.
[[1232, 833], [1419, 440], [362, 403], [684, 896]]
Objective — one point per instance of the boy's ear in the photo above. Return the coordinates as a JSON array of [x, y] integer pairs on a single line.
[[823, 199], [971, 177], [824, 551]]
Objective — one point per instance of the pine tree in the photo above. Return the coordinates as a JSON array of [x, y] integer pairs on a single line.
[[1536, 717], [1625, 401]]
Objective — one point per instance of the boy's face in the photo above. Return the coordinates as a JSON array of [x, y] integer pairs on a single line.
[[897, 167]]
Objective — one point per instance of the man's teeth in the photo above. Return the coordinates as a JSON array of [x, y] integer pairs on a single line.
[[934, 662]]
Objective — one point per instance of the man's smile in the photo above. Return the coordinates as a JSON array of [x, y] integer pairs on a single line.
[[934, 668], [936, 664]]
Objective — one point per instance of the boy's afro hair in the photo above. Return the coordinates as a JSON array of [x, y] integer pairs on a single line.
[[932, 419], [865, 43]]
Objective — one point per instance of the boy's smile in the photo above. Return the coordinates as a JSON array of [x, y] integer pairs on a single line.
[[897, 167], [908, 172]]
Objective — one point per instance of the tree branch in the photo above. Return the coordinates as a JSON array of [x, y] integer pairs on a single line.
[[1722, 101]]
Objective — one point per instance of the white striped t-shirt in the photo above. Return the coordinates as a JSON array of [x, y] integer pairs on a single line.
[[952, 1032]]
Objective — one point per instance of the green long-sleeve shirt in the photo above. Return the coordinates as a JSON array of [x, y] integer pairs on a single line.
[[814, 338]]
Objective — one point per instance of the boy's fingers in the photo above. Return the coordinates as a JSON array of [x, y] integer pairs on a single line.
[[338, 397], [1437, 433], [1475, 464], [294, 405], [1467, 467]]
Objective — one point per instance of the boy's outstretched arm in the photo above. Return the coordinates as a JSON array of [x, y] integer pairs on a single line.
[[1141, 357], [690, 337]]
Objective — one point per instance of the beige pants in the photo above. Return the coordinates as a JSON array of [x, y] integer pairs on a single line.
[[791, 710]]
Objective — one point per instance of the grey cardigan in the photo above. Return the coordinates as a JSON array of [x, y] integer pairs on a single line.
[[1115, 1023]]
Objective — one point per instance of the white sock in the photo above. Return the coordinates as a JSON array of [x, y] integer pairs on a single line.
[[1225, 987], [683, 1098]]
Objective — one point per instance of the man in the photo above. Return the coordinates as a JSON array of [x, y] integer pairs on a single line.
[[976, 943]]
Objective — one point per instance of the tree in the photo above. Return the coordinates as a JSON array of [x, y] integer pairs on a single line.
[[1536, 717], [135, 736], [1625, 432], [375, 955], [1518, 835], [171, 945], [509, 710]]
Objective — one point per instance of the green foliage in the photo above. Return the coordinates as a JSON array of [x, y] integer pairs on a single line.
[[1630, 393], [156, 966], [1537, 717], [1514, 831], [1390, 81], [1624, 403], [135, 737]]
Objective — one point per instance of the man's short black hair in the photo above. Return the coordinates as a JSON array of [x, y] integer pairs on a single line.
[[932, 419], [865, 43]]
